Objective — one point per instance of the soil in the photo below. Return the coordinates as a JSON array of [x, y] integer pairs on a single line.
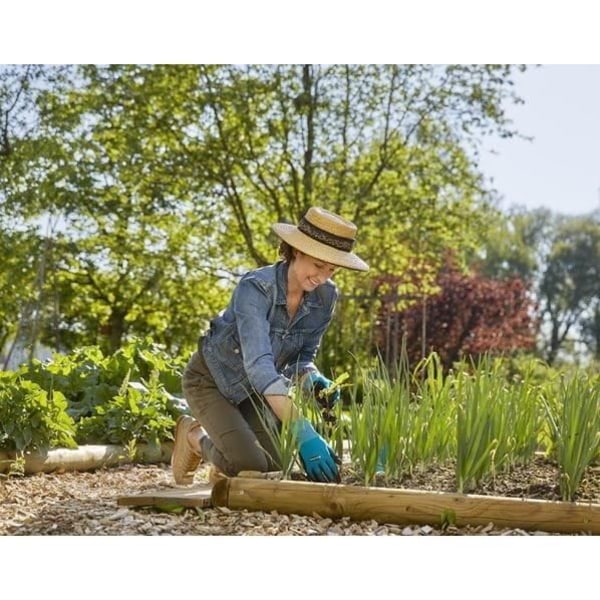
[[85, 503], [539, 480]]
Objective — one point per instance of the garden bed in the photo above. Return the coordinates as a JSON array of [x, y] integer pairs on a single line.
[[537, 480], [395, 502]]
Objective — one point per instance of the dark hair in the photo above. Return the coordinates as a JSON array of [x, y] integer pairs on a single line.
[[286, 252]]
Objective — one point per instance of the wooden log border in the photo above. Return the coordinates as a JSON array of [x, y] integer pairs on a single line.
[[85, 458], [399, 506]]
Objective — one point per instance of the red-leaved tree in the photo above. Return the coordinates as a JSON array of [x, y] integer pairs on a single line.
[[471, 315]]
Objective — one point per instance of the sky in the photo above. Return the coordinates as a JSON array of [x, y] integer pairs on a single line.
[[560, 168]]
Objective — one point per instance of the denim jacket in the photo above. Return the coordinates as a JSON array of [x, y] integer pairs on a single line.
[[253, 346]]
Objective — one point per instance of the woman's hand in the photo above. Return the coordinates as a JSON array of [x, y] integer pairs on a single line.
[[319, 385], [317, 457]]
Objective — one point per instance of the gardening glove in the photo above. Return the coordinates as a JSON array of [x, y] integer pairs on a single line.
[[318, 384], [381, 461], [317, 457]]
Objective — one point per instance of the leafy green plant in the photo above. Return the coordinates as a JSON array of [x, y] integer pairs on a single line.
[[122, 398], [32, 418], [133, 414], [89, 379], [17, 466], [141, 357], [81, 376]]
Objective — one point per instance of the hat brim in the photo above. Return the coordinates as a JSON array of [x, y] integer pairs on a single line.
[[295, 238]]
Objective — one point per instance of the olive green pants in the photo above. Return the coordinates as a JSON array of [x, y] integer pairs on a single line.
[[238, 436]]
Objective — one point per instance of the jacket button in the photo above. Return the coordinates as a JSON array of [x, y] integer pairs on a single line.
[[236, 350]]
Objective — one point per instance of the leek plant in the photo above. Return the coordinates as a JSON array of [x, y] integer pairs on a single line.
[[476, 397], [381, 424], [497, 424], [334, 429], [280, 433], [434, 436], [574, 417], [523, 421]]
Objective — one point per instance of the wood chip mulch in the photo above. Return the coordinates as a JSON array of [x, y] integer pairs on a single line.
[[85, 503]]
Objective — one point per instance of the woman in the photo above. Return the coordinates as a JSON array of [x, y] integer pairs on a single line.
[[264, 341]]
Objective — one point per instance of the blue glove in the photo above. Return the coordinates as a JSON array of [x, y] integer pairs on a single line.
[[318, 459], [381, 461], [316, 383]]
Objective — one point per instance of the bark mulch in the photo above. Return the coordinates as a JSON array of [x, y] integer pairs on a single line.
[[85, 503]]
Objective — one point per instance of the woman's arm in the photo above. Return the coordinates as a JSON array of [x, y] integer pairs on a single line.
[[283, 407]]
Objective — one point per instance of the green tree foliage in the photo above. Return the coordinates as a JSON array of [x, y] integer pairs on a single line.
[[384, 145], [25, 253], [590, 329], [515, 244], [558, 256], [570, 284], [589, 324], [165, 180], [132, 246], [22, 269]]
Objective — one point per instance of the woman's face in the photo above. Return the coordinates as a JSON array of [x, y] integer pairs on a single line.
[[308, 272]]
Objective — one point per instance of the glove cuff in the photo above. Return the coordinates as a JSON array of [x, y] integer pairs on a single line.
[[303, 430], [306, 380]]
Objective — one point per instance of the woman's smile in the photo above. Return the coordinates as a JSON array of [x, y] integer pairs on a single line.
[[309, 272]]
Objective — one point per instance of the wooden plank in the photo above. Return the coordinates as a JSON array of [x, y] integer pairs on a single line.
[[198, 495], [389, 505]]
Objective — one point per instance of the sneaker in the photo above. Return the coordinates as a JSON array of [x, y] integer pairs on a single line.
[[184, 460]]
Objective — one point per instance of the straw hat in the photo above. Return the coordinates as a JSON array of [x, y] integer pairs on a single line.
[[323, 235]]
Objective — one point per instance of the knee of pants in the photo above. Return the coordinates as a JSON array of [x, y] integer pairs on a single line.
[[252, 461]]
